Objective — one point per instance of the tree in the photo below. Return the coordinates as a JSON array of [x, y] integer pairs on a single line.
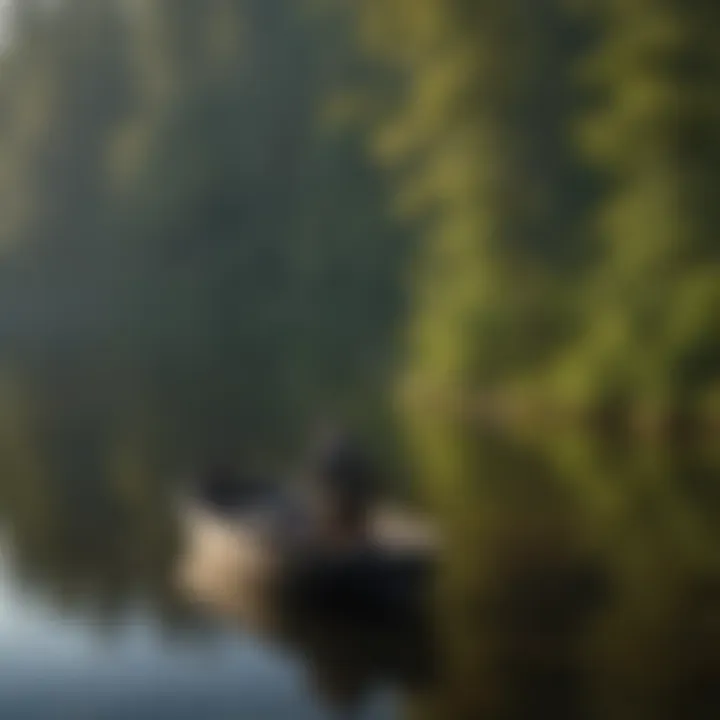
[[478, 141], [652, 304], [170, 190]]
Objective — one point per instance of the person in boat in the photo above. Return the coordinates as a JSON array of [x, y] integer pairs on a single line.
[[328, 509], [343, 491], [314, 545]]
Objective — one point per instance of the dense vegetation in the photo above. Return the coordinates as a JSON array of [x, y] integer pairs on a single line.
[[169, 189], [172, 178], [563, 165], [218, 217]]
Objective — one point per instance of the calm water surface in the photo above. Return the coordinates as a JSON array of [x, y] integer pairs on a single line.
[[63, 665], [580, 577]]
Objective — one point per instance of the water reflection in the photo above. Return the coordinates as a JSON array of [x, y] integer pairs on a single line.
[[581, 576], [347, 656], [581, 579], [92, 543]]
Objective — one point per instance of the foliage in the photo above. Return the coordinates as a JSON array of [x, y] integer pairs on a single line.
[[168, 188], [581, 274]]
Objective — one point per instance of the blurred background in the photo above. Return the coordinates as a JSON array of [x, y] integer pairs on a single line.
[[482, 233]]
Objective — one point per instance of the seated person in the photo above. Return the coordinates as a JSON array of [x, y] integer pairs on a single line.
[[343, 492]]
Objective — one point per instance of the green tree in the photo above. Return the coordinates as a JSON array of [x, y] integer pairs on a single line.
[[652, 303], [169, 188], [63, 87], [477, 140]]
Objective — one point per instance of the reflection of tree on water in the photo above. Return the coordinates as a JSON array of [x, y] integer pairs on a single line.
[[519, 584], [88, 454], [82, 499], [592, 586], [581, 579], [657, 646], [87, 502]]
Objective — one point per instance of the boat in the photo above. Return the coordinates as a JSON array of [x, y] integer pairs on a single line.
[[249, 536], [346, 655]]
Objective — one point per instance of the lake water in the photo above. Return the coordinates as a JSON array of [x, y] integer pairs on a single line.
[[580, 577], [58, 664]]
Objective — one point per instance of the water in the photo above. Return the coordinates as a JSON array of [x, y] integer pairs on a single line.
[[580, 577], [62, 665], [65, 657]]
